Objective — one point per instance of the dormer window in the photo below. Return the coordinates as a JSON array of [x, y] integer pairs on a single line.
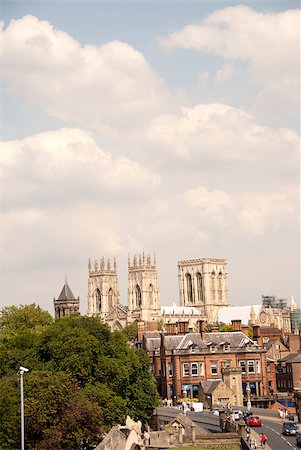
[[225, 346], [211, 346]]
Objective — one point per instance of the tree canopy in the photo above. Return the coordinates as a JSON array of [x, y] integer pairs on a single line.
[[83, 379]]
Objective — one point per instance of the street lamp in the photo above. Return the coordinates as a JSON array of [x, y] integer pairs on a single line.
[[248, 392], [22, 371]]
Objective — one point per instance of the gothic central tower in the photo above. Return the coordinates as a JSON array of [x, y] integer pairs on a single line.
[[143, 289]]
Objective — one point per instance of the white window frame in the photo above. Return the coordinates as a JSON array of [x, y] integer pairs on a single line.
[[249, 361], [170, 371], [186, 369], [243, 365], [212, 365], [194, 367]]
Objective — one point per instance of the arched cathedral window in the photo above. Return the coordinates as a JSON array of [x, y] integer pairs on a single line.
[[189, 287], [110, 298], [219, 284], [200, 287], [138, 296], [212, 285], [98, 300], [151, 295]]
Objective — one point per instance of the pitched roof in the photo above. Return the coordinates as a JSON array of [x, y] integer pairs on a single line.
[[292, 357], [210, 386], [66, 293], [236, 339], [265, 331]]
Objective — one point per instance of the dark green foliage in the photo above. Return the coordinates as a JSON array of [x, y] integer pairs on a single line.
[[83, 379], [131, 331]]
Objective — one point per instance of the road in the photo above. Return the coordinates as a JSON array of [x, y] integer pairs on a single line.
[[273, 430]]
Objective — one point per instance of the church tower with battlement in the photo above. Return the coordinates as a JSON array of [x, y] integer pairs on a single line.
[[103, 293], [143, 289], [203, 283]]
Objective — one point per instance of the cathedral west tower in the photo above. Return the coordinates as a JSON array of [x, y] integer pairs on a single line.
[[203, 283], [103, 293]]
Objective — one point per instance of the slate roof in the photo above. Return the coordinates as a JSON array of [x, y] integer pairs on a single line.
[[266, 331], [236, 339], [269, 344], [210, 386], [292, 357], [66, 293]]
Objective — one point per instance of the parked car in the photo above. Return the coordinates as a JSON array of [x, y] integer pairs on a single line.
[[254, 421], [236, 414], [290, 428], [298, 440]]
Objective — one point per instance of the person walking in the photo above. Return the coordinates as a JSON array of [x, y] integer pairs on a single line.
[[263, 439]]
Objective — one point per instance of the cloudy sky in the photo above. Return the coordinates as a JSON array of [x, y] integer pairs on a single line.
[[165, 126]]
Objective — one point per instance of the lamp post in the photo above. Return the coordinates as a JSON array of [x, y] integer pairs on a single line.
[[22, 370], [248, 391]]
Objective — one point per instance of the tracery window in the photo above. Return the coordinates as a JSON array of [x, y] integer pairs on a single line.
[[189, 287], [98, 300], [110, 298], [138, 298], [200, 287]]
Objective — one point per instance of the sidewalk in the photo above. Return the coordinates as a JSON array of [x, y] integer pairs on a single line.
[[256, 436]]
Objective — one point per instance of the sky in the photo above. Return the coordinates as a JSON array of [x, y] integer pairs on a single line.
[[169, 127]]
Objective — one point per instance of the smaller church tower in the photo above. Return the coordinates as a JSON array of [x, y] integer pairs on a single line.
[[143, 289], [66, 303], [103, 293]]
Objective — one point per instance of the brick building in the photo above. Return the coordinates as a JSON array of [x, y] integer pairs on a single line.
[[289, 373], [180, 362]]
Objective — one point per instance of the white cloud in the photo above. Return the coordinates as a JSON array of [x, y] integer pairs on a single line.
[[253, 213], [268, 42], [225, 73], [67, 165], [106, 87]]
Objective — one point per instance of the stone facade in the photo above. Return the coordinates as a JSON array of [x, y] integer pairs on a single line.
[[203, 283], [143, 289], [66, 303], [103, 292], [203, 290]]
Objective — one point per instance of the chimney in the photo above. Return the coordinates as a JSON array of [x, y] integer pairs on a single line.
[[171, 328], [236, 325], [256, 335], [202, 326], [183, 327]]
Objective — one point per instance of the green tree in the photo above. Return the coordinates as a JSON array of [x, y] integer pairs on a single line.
[[20, 330]]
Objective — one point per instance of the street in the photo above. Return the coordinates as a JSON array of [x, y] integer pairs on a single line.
[[273, 430]]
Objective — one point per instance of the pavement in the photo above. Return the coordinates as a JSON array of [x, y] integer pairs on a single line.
[[255, 435]]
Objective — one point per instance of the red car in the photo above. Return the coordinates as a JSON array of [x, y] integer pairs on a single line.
[[254, 421]]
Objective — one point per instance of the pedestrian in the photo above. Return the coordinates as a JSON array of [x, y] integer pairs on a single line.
[[146, 437], [248, 433], [263, 440], [253, 443]]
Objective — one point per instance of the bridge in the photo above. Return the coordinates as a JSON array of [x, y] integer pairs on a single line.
[[206, 420]]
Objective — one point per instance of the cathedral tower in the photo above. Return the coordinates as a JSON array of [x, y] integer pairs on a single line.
[[203, 283], [143, 289], [66, 303], [103, 293]]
